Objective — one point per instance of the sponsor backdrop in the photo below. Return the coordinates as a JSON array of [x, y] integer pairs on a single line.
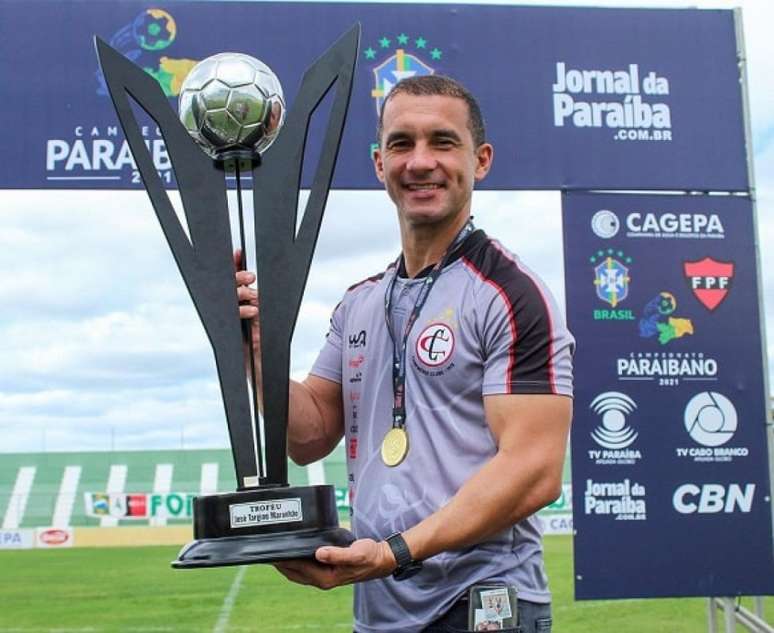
[[574, 98], [669, 457]]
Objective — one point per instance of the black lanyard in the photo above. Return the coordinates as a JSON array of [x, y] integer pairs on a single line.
[[399, 349]]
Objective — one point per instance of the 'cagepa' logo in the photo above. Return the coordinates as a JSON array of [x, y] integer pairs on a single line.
[[435, 344], [710, 280], [605, 224], [611, 276], [400, 64], [710, 418], [153, 30], [674, 225], [613, 407]]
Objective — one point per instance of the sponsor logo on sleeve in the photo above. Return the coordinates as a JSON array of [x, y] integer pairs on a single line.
[[353, 448], [357, 339], [710, 280]]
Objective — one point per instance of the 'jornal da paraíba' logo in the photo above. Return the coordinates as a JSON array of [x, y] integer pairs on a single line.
[[616, 99]]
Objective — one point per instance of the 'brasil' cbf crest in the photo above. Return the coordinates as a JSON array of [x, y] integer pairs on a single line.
[[232, 105]]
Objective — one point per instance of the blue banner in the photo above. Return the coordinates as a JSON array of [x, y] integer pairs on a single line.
[[671, 493], [574, 98]]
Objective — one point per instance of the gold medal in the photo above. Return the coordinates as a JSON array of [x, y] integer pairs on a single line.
[[395, 446]]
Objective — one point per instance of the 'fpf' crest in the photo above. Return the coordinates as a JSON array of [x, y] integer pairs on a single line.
[[710, 280]]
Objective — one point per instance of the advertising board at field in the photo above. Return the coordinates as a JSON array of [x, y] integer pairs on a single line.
[[17, 539], [139, 505], [557, 517], [573, 97], [54, 537], [669, 453]]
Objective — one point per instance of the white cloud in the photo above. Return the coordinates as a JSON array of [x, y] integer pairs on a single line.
[[100, 345]]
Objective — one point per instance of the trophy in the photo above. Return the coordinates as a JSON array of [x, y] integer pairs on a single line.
[[232, 107]]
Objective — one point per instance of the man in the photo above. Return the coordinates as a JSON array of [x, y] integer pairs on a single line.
[[449, 375]]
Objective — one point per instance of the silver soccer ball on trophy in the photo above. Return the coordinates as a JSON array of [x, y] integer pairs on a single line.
[[232, 105]]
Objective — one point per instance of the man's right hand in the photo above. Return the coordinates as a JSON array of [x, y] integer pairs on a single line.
[[247, 296], [316, 415]]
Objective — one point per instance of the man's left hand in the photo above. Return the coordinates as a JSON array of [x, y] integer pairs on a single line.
[[365, 559]]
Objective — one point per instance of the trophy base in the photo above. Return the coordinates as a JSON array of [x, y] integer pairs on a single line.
[[249, 550], [264, 525]]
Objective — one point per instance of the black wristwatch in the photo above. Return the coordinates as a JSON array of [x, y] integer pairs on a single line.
[[407, 566]]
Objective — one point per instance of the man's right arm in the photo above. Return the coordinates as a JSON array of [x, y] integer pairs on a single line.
[[316, 419], [315, 414]]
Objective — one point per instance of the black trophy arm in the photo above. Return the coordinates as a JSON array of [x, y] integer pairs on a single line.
[[205, 262], [284, 257]]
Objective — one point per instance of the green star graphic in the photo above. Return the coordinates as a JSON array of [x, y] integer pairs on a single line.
[[402, 39], [384, 42], [421, 42], [435, 54], [370, 53]]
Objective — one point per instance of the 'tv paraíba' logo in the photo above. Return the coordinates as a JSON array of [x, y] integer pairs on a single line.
[[406, 57], [613, 433], [612, 280], [710, 280], [151, 31]]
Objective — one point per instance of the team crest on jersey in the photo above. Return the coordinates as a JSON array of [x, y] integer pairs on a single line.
[[435, 345], [710, 280]]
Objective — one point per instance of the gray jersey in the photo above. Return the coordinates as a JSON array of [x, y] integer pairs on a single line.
[[489, 326]]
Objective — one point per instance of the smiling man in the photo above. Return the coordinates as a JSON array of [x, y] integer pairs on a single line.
[[449, 376]]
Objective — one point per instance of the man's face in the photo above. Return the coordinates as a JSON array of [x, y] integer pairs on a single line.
[[427, 160]]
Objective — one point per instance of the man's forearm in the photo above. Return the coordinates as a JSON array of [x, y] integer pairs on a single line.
[[524, 475], [502, 493]]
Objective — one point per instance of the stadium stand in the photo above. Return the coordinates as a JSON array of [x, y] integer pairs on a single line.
[[49, 489]]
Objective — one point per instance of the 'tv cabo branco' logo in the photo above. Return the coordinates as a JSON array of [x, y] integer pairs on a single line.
[[396, 58], [142, 40]]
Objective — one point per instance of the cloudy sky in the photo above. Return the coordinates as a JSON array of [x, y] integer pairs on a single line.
[[100, 347]]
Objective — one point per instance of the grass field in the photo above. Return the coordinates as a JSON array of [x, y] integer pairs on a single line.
[[135, 590]]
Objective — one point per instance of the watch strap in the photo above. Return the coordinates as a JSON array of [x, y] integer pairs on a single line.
[[407, 566], [400, 550]]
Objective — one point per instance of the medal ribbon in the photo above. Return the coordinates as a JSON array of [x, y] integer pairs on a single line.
[[399, 347]]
